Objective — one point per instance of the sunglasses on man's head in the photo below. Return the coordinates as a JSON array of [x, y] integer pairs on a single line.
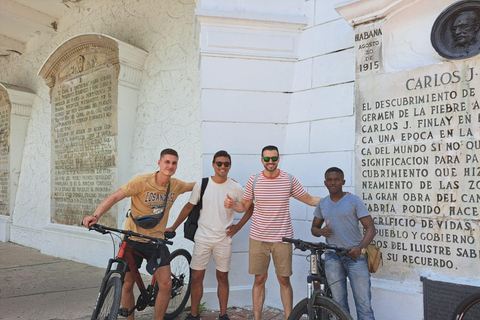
[[219, 164], [267, 159]]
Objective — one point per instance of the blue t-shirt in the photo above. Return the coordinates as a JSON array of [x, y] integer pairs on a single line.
[[344, 218]]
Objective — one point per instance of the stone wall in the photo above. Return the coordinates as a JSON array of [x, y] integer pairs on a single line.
[[168, 112]]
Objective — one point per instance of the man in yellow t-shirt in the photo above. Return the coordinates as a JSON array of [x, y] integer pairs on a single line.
[[148, 195]]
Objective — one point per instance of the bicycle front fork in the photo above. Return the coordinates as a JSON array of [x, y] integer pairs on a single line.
[[314, 286]]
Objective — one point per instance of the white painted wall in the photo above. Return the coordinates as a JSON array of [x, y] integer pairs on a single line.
[[224, 74]]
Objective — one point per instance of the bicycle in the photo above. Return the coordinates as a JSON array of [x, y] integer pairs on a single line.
[[319, 303], [107, 306], [468, 309]]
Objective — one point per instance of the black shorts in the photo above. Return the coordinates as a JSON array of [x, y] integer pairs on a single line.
[[157, 256]]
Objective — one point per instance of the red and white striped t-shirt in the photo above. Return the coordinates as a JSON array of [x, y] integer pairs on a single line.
[[271, 215]]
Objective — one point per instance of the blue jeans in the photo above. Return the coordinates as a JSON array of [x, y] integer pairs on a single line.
[[337, 270]]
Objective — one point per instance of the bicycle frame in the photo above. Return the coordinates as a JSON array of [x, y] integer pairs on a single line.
[[317, 270], [317, 275], [124, 260]]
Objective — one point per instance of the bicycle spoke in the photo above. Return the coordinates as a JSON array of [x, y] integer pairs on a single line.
[[180, 266]]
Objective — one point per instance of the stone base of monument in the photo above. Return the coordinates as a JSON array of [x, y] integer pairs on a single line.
[[5, 224]]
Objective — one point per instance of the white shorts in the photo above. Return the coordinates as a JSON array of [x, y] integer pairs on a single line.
[[222, 253]]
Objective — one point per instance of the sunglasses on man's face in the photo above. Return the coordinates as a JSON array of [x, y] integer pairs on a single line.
[[220, 163], [267, 159]]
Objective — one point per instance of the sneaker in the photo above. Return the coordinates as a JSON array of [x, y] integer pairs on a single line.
[[190, 317], [224, 317]]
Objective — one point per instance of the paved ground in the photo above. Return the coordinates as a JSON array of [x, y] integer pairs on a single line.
[[34, 286]]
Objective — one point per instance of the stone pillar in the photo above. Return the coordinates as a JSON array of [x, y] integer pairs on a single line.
[[94, 81], [248, 51], [15, 109]]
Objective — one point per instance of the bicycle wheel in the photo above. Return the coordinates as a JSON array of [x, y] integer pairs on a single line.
[[181, 278], [109, 302], [468, 309], [324, 309]]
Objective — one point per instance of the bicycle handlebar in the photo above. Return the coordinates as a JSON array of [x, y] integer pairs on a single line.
[[104, 230], [305, 245]]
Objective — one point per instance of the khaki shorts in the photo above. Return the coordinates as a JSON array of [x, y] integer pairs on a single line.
[[222, 254], [259, 257]]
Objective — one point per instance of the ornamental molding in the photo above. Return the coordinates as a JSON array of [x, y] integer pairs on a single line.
[[357, 12]]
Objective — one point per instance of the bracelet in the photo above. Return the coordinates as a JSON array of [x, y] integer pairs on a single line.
[[95, 216]]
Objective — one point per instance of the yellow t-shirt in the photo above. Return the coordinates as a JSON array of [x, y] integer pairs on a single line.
[[146, 196]]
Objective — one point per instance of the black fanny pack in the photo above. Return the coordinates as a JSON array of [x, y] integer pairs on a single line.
[[151, 221]]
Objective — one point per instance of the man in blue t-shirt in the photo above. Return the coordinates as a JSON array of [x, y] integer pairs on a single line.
[[342, 211]]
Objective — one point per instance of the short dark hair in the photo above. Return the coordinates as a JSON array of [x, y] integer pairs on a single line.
[[168, 151], [270, 148], [221, 153], [334, 169]]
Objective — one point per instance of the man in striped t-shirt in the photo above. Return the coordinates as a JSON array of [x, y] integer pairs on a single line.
[[271, 189]]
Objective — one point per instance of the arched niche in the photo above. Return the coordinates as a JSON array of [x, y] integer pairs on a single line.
[[92, 129]]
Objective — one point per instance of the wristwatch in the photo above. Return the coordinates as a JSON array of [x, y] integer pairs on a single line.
[[362, 249]]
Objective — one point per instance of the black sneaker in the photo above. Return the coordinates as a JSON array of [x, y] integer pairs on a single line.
[[190, 317], [224, 317]]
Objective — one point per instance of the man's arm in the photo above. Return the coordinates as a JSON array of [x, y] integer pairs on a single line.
[[369, 226], [309, 199], [103, 207], [367, 223], [237, 206], [234, 228], [317, 229], [187, 208], [190, 186]]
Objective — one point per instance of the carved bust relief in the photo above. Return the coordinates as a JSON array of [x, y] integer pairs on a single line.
[[456, 32]]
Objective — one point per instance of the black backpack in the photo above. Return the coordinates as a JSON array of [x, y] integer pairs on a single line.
[[191, 225]]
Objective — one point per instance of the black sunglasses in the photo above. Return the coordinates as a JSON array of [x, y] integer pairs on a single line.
[[267, 159], [219, 164]]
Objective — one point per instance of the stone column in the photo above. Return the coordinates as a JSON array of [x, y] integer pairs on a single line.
[[94, 81], [248, 51], [15, 109]]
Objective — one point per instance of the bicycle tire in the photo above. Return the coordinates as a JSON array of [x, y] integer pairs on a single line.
[[468, 309], [109, 302], [181, 281], [324, 309]]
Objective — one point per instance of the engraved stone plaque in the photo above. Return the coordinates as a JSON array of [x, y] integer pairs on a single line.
[[418, 166], [368, 49], [84, 87], [5, 114]]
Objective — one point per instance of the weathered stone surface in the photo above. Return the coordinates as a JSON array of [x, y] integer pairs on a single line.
[[83, 75], [417, 167]]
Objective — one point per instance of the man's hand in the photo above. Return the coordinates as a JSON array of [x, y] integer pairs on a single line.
[[355, 252], [232, 230], [90, 220], [326, 231], [228, 203]]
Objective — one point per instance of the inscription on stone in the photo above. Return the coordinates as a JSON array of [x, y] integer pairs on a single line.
[[368, 49], [418, 165], [84, 140], [5, 114]]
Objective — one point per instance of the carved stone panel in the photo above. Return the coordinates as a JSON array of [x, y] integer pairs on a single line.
[[83, 76], [418, 166], [5, 114]]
